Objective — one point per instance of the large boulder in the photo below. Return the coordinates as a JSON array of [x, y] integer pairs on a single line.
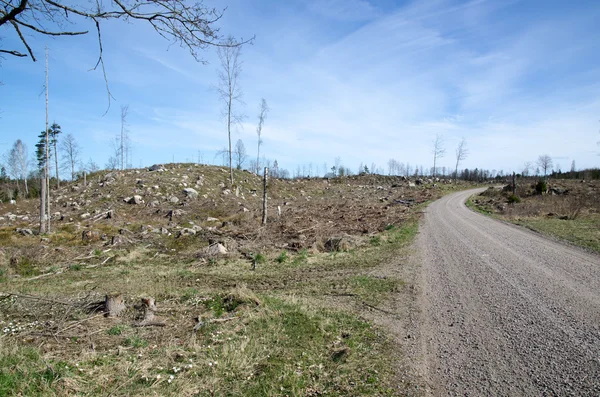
[[186, 232], [134, 200], [157, 167], [190, 192], [216, 249], [341, 243]]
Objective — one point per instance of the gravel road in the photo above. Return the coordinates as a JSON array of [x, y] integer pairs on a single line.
[[506, 311]]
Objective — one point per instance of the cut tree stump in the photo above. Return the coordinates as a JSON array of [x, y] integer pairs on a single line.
[[147, 317], [114, 304]]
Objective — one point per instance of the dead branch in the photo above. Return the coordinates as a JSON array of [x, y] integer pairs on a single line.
[[78, 323]]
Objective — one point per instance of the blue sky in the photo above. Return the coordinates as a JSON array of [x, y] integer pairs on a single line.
[[362, 80]]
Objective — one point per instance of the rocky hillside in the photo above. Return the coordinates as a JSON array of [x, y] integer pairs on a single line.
[[188, 209]]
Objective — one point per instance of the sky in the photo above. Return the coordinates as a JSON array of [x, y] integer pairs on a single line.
[[362, 81]]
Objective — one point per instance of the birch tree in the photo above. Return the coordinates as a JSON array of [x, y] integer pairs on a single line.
[[70, 150], [261, 120], [18, 163], [229, 89], [461, 154], [438, 151]]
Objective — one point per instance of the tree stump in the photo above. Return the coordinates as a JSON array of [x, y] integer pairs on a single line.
[[148, 317], [114, 304]]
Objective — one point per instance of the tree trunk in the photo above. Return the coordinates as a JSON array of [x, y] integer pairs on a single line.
[[264, 216], [56, 164], [43, 205], [26, 188], [229, 135]]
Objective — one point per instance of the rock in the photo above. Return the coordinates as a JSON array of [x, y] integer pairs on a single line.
[[410, 184], [211, 219], [418, 181], [216, 249], [136, 200], [25, 232], [164, 230], [186, 232], [90, 235], [222, 185], [173, 213], [13, 202], [85, 216], [190, 192], [197, 228], [340, 243], [173, 199], [244, 209], [157, 168], [226, 192], [558, 191]]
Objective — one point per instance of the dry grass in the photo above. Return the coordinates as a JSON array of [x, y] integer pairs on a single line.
[[289, 327], [573, 217]]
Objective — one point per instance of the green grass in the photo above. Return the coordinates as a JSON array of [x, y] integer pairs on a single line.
[[584, 232], [23, 372], [373, 289], [282, 258]]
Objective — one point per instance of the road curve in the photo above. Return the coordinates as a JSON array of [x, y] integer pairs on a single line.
[[507, 312]]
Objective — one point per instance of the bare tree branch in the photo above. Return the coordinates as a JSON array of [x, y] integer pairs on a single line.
[[15, 53], [192, 26]]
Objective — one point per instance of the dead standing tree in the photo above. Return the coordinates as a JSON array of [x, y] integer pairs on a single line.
[[70, 150], [264, 109], [461, 153], [438, 151], [545, 163], [192, 26], [229, 89]]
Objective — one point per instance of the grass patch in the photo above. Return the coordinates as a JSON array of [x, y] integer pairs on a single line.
[[24, 373], [373, 289], [584, 232], [282, 258]]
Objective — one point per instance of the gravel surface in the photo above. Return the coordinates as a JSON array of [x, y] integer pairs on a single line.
[[506, 311]]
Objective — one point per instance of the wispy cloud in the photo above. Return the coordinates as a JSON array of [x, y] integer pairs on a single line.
[[357, 79]]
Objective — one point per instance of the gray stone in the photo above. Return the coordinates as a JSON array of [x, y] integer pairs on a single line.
[[157, 167], [173, 199], [216, 249], [190, 192], [186, 232], [135, 200], [25, 232]]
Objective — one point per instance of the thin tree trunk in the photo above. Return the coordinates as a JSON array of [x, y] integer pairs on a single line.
[[264, 215], [26, 188], [258, 157], [229, 135], [56, 164], [43, 205], [46, 168]]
